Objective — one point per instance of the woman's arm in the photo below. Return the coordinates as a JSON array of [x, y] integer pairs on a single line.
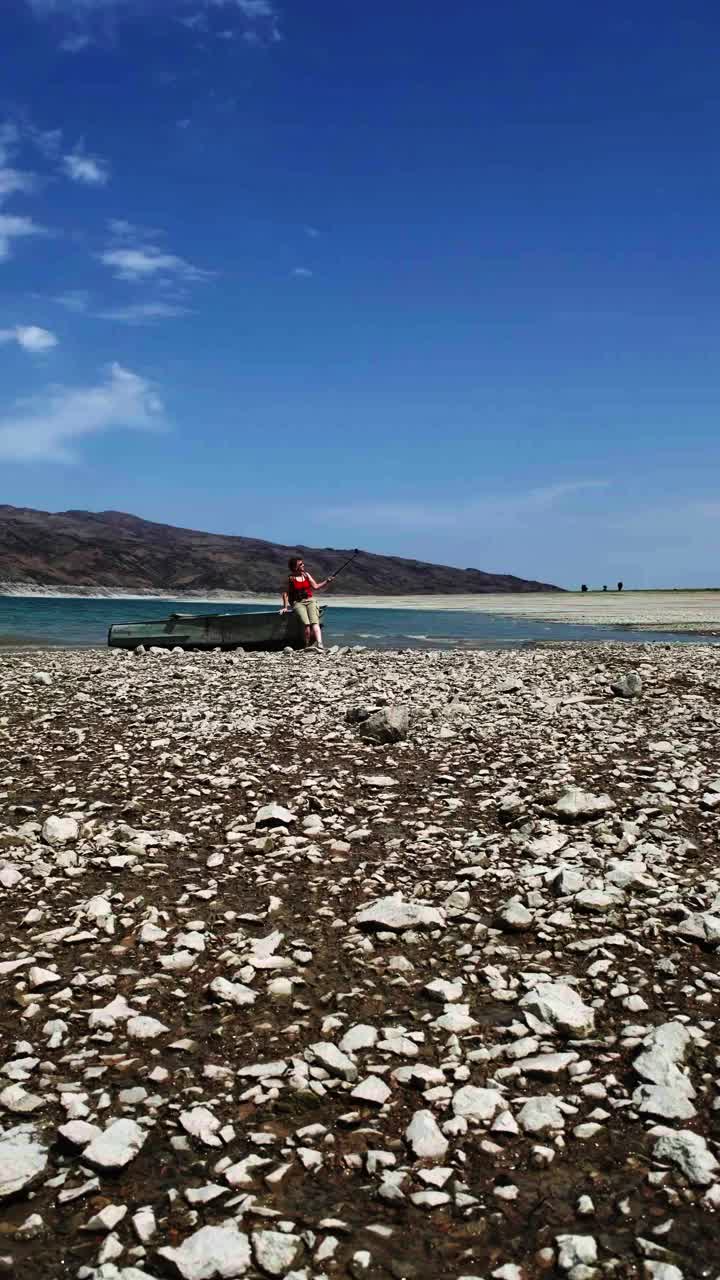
[[318, 586], [285, 602]]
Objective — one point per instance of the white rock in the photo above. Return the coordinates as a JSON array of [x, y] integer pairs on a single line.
[[359, 1037], [145, 1028], [274, 815], [513, 917], [477, 1104], [575, 804], [118, 1010], [395, 913], [22, 1160], [275, 1251], [59, 831], [201, 1123], [373, 1089], [541, 1115], [79, 1132], [107, 1219], [232, 992], [116, 1146], [212, 1253], [560, 1005], [333, 1059], [425, 1137], [690, 1154], [576, 1251], [17, 1100], [445, 992]]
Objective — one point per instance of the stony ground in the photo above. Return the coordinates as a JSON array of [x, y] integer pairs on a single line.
[[448, 1007]]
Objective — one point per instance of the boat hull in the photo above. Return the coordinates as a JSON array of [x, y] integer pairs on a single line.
[[268, 630]]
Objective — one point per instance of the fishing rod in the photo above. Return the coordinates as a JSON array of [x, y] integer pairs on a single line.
[[349, 560]]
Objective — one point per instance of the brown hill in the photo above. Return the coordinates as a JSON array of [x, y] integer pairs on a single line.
[[112, 549]]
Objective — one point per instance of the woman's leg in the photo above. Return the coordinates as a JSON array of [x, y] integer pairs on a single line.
[[314, 620]]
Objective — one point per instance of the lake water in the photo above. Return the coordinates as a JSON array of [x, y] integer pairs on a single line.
[[82, 622]]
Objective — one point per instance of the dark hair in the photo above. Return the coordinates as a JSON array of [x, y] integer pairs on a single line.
[[294, 561]]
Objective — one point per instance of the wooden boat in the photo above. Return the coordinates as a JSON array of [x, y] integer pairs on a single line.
[[270, 630]]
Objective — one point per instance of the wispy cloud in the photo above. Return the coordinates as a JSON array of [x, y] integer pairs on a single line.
[[74, 300], [147, 262], [75, 43], [14, 227], [42, 428], [302, 272], [497, 511], [30, 337], [139, 313], [257, 21], [14, 180], [91, 171]]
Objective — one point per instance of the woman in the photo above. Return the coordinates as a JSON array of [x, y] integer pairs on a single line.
[[298, 596]]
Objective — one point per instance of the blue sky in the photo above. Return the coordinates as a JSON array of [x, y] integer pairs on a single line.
[[440, 281]]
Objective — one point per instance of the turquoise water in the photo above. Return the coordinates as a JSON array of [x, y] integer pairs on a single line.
[[78, 622]]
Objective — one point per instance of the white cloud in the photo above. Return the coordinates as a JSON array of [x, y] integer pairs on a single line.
[[90, 170], [145, 262], [492, 511], [16, 228], [13, 180], [302, 272], [30, 337], [142, 313], [41, 428], [75, 300]]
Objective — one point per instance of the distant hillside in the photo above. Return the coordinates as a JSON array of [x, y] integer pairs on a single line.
[[112, 549]]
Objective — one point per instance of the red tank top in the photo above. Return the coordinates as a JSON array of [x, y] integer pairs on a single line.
[[299, 588]]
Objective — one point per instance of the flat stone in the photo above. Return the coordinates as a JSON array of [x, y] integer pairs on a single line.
[[395, 913]]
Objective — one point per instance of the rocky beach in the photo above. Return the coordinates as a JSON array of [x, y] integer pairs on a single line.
[[382, 964]]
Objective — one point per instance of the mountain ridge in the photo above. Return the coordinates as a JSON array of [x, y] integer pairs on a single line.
[[118, 549]]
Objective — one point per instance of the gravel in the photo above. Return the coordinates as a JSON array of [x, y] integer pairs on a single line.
[[284, 995]]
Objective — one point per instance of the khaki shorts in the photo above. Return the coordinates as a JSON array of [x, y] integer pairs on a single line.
[[307, 612]]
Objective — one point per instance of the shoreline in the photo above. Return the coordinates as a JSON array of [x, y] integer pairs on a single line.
[[675, 611]]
